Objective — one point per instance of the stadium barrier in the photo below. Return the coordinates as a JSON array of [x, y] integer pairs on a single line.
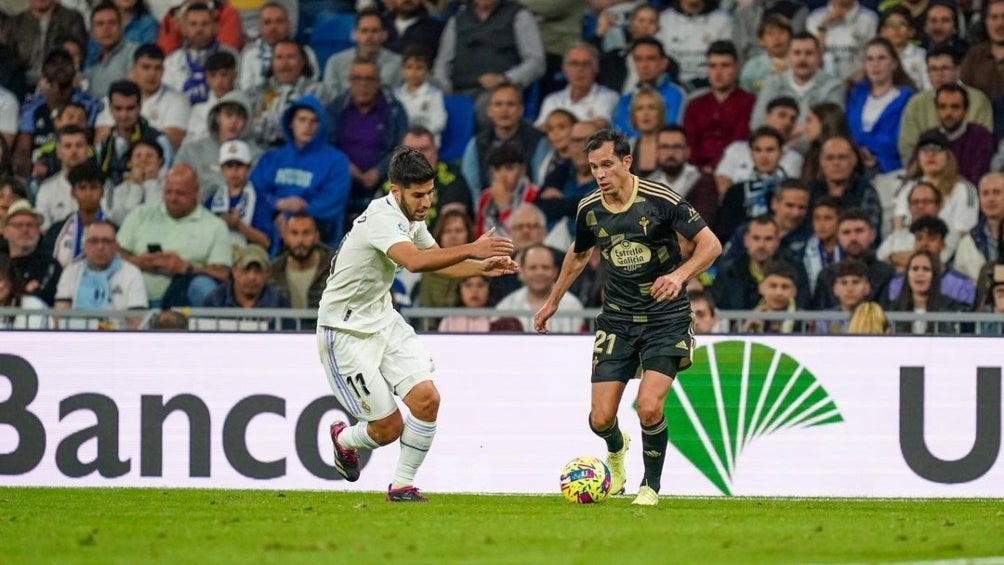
[[769, 415]]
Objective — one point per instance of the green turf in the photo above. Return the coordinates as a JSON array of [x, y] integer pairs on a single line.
[[137, 525]]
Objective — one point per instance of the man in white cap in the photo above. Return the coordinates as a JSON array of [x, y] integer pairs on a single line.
[[236, 202]]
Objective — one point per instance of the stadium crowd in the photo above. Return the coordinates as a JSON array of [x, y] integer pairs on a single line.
[[158, 154]]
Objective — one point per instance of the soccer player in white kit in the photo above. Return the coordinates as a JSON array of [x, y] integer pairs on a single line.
[[368, 350]]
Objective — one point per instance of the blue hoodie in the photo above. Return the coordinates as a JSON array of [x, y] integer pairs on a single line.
[[316, 172]]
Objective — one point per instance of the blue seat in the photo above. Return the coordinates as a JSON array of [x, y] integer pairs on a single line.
[[331, 32], [459, 126]]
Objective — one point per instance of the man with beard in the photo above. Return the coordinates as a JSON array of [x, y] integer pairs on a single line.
[[981, 67], [299, 272], [972, 144], [855, 235], [698, 187]]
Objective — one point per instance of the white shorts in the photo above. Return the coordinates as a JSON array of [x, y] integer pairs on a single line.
[[366, 371]]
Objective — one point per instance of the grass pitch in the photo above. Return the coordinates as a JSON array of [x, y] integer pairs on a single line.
[[213, 526]]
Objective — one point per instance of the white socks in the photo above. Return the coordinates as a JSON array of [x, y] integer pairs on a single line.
[[415, 442], [357, 437]]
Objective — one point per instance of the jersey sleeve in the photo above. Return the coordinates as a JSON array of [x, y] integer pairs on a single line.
[[423, 238], [686, 221], [584, 236], [385, 230]]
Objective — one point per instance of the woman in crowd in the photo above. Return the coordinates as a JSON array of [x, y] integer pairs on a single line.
[[896, 25], [138, 25], [648, 114], [472, 292], [921, 293], [824, 120], [453, 227]]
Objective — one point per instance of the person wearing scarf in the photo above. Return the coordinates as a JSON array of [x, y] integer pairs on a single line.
[[236, 203], [510, 187], [64, 240], [185, 69], [114, 152]]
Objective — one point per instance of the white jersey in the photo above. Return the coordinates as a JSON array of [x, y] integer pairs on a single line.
[[687, 37], [357, 295], [844, 51]]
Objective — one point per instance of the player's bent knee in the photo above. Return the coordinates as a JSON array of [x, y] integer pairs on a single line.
[[649, 412], [387, 430], [423, 401], [602, 419]]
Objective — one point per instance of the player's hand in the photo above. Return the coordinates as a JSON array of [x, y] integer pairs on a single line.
[[498, 266], [666, 287], [489, 245], [542, 316]]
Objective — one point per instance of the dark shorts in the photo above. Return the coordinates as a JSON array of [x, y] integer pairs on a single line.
[[623, 350]]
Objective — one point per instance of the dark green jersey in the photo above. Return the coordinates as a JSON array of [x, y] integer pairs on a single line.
[[638, 245]]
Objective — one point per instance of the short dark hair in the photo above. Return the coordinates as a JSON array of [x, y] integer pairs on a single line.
[[854, 214], [851, 267], [221, 60], [765, 220], [938, 197], [507, 85], [563, 112], [622, 147], [699, 295], [369, 12], [58, 55], [776, 21], [195, 7], [126, 88], [651, 42], [88, 171], [779, 268], [73, 129], [147, 143], [766, 131], [150, 51], [106, 6], [420, 130], [827, 202], [953, 87], [806, 36], [506, 154], [930, 224], [723, 47], [674, 128], [792, 184], [308, 69], [944, 51], [783, 102], [409, 167], [417, 52]]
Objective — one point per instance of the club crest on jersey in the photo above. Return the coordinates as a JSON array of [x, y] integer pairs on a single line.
[[643, 222]]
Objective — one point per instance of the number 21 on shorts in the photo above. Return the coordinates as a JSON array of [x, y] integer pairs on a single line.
[[604, 344]]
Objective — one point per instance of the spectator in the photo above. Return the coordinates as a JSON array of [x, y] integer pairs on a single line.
[[54, 200], [34, 33], [748, 199], [12, 295], [307, 174], [842, 26], [509, 188], [675, 170], [538, 271], [560, 24], [228, 120], [972, 144], [980, 67], [558, 129], [163, 107], [774, 36], [896, 25], [224, 21], [995, 305], [11, 190], [751, 17], [248, 286], [422, 100], [821, 249], [185, 68], [139, 26], [250, 17], [169, 321], [527, 226], [256, 58], [408, 22], [487, 43], [921, 294], [505, 114], [929, 233], [101, 280], [706, 320], [566, 186], [143, 183], [472, 292], [369, 36], [583, 97], [366, 124], [453, 228], [851, 288], [301, 270], [777, 293], [129, 126], [718, 118], [650, 65], [687, 28], [982, 243], [45, 163], [736, 165], [616, 42], [36, 126], [109, 53], [63, 240], [735, 287], [648, 116], [840, 178], [875, 106], [825, 120], [221, 76], [37, 270], [923, 199], [805, 81], [937, 165], [855, 235], [789, 205], [182, 249], [238, 203], [290, 77], [940, 28], [451, 191]]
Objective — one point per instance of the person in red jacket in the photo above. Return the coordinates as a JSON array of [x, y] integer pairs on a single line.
[[228, 25]]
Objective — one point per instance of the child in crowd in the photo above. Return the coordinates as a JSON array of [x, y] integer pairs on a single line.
[[777, 294], [706, 320], [852, 288], [774, 36], [422, 101], [236, 202]]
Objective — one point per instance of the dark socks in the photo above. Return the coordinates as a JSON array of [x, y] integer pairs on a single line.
[[653, 444], [612, 435]]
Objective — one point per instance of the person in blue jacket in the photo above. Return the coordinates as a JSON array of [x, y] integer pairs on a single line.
[[306, 174], [875, 106]]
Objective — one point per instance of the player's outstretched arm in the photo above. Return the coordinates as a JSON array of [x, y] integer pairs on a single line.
[[490, 267], [416, 260], [668, 287], [571, 268]]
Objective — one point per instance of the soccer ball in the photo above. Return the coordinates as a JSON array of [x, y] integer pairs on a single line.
[[585, 480]]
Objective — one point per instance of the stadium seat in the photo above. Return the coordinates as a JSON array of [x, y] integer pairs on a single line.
[[330, 33], [459, 126]]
